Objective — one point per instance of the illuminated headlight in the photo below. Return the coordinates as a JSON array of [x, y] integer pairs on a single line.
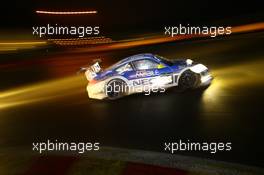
[[206, 78], [189, 62]]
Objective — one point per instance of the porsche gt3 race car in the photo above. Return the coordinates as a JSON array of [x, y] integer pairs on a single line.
[[144, 73]]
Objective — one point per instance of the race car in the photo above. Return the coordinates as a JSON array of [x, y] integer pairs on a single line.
[[144, 73]]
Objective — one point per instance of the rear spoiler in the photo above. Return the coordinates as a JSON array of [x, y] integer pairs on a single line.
[[92, 70]]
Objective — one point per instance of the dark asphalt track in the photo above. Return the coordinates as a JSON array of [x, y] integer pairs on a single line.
[[41, 97]]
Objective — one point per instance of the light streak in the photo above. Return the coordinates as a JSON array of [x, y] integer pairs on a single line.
[[16, 45], [23, 43], [42, 92], [81, 41], [66, 13]]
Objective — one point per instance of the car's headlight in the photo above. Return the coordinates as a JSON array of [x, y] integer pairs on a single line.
[[206, 78]]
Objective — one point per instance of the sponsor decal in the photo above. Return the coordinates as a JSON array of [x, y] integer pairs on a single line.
[[143, 82], [144, 73]]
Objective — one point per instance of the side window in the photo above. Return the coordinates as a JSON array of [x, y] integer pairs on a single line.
[[145, 64], [124, 68]]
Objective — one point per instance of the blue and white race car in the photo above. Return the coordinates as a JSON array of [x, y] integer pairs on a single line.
[[144, 73]]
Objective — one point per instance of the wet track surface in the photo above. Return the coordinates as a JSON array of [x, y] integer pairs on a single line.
[[43, 98]]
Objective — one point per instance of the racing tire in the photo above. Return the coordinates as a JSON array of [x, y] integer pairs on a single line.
[[188, 80], [116, 88]]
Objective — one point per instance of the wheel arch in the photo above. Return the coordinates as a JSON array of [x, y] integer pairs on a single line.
[[116, 77]]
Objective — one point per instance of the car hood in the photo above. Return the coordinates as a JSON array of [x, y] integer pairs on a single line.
[[179, 64]]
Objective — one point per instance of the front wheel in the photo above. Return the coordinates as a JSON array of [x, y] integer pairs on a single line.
[[188, 79]]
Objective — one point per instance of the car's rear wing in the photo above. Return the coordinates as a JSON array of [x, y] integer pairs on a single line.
[[92, 70]]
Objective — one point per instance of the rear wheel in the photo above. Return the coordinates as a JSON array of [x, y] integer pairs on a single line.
[[116, 88], [188, 80]]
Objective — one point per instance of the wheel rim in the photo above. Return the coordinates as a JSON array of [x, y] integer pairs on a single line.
[[187, 79]]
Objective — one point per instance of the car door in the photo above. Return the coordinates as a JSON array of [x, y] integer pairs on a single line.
[[148, 71]]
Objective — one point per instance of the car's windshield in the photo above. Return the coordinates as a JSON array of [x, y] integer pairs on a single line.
[[164, 60]]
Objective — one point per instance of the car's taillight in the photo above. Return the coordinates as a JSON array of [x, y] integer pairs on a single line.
[[93, 81]]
